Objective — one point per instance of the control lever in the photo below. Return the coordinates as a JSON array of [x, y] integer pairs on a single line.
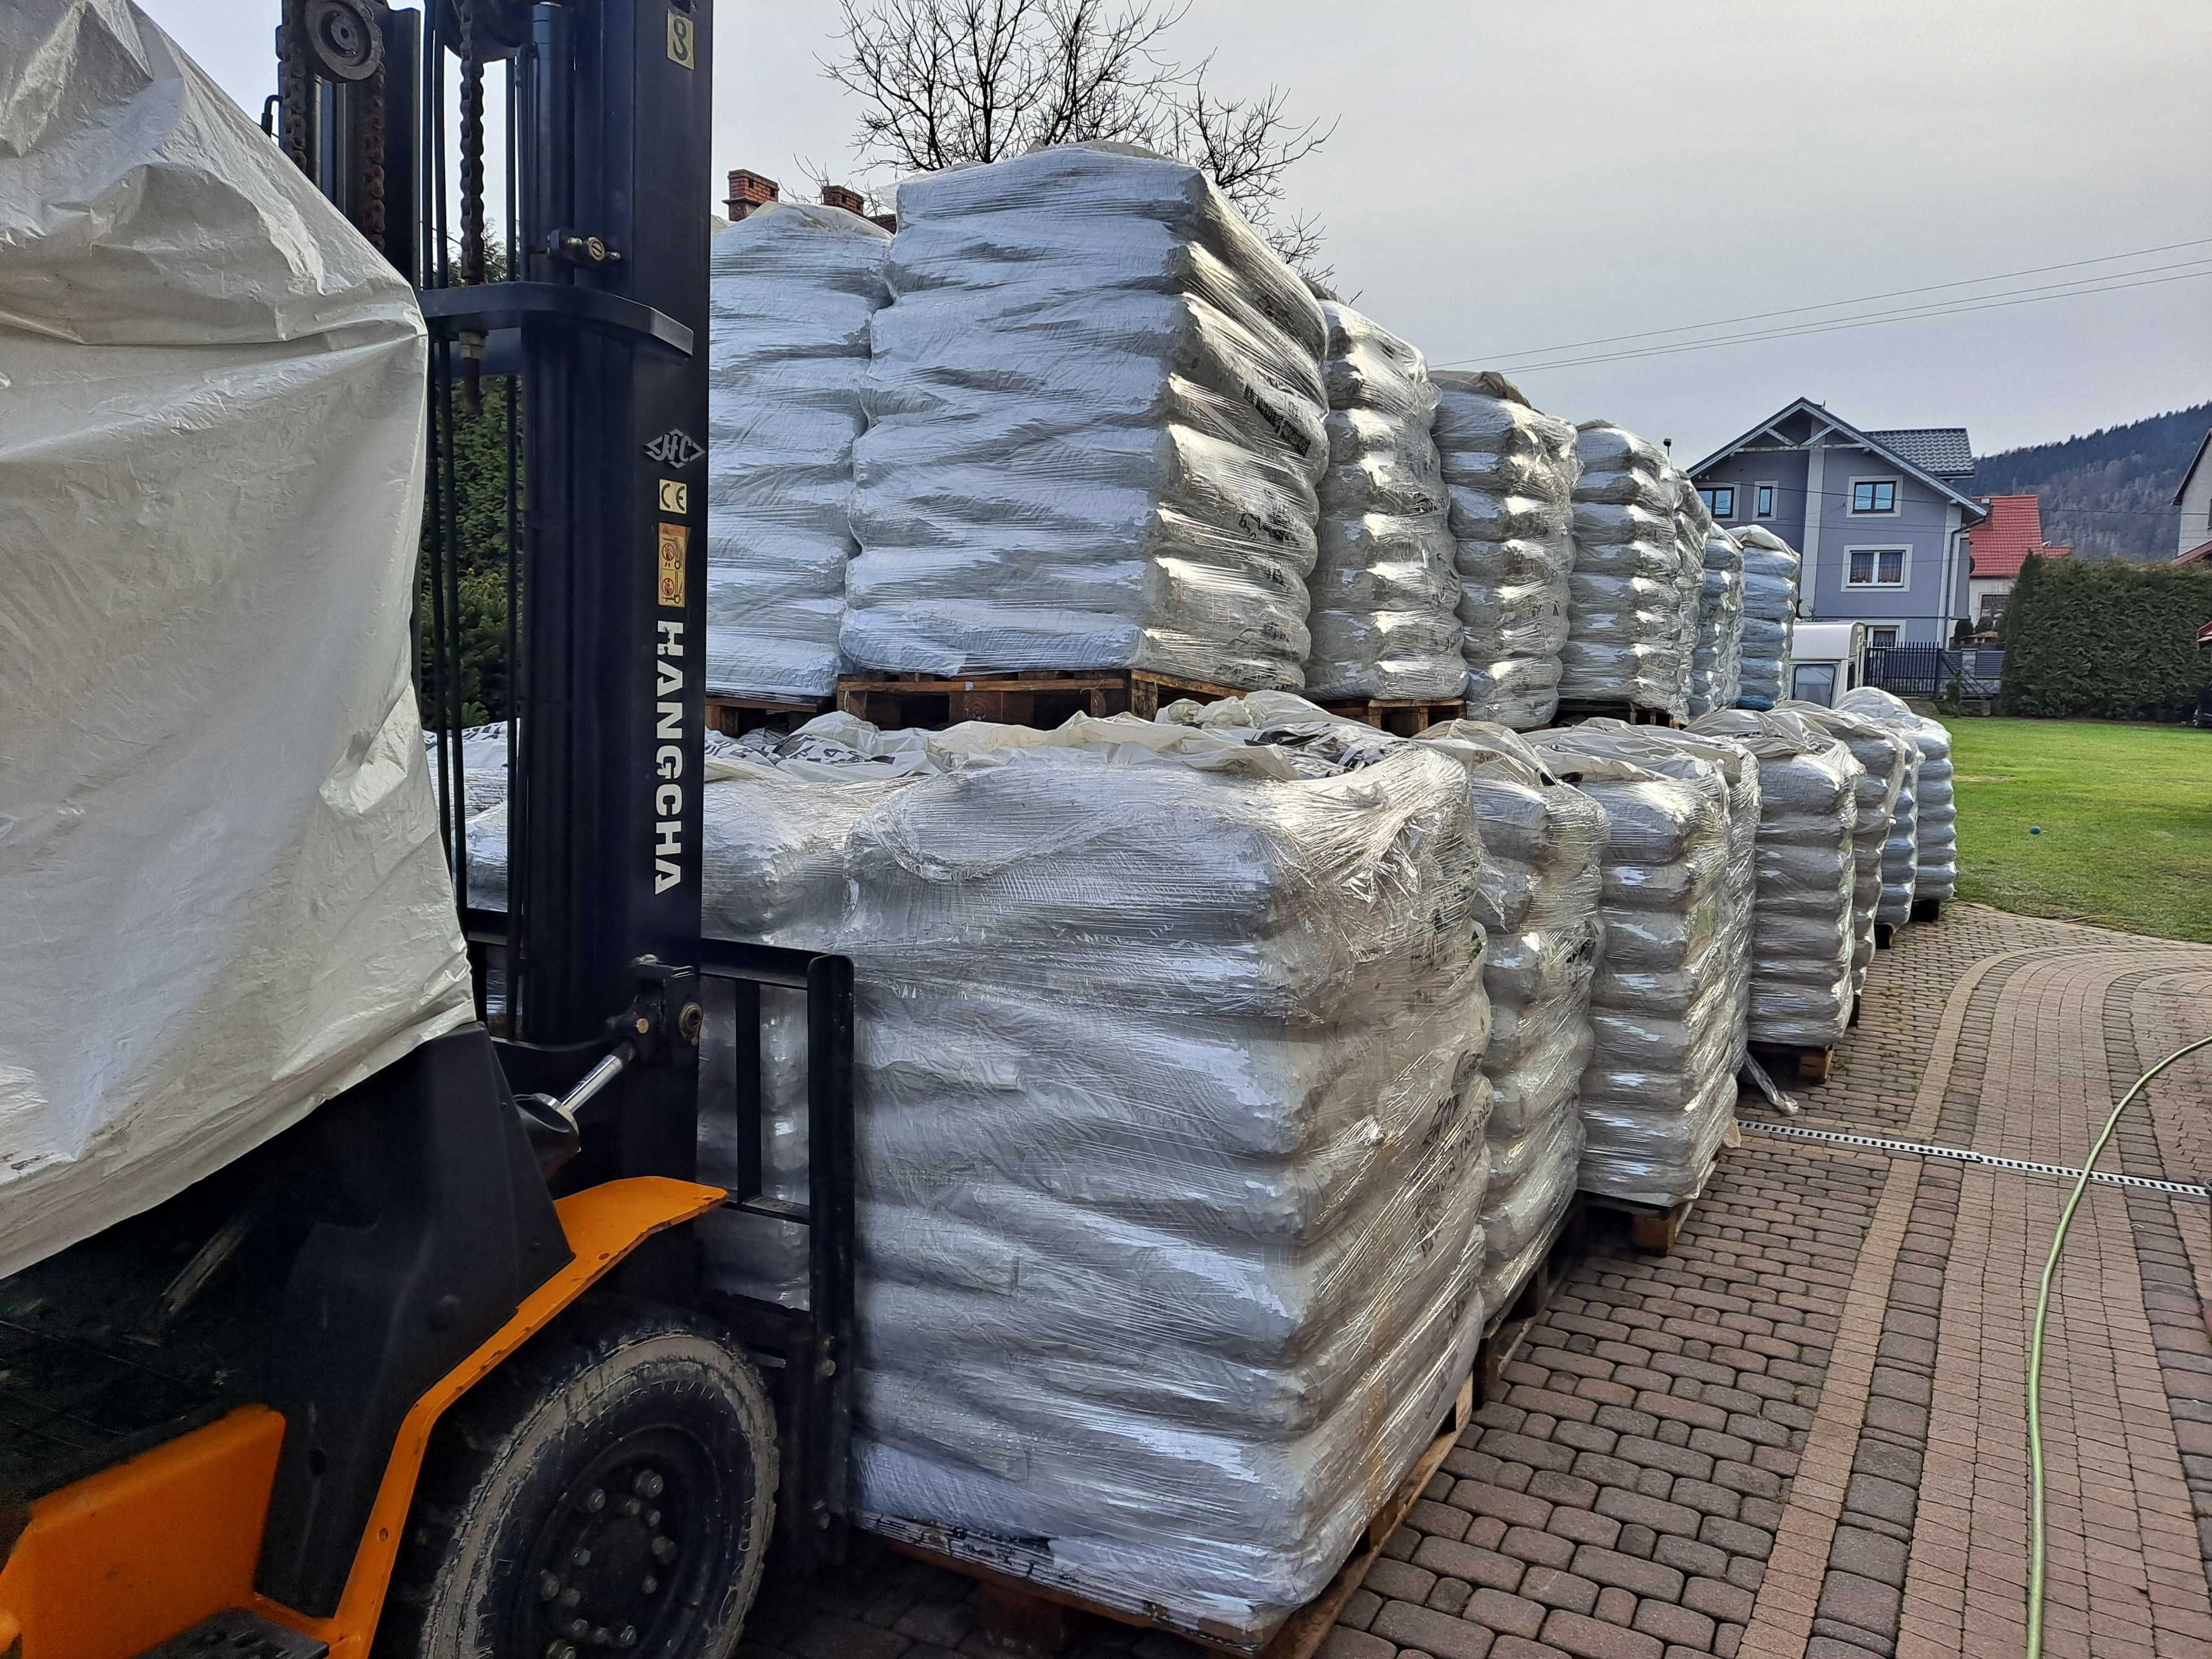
[[556, 1136]]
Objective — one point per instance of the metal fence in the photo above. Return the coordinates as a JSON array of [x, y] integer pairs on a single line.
[[1926, 671]]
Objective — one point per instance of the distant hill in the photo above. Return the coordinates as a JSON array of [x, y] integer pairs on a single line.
[[2109, 493]]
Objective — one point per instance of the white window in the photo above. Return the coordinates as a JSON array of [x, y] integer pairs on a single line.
[[1719, 500], [1881, 637], [1763, 498], [1873, 496], [1875, 567]]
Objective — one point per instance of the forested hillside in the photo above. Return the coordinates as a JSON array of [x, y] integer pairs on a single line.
[[2109, 493]]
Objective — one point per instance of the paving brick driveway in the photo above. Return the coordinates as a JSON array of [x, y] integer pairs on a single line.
[[1802, 1434]]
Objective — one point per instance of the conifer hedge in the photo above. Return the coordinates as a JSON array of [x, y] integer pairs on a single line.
[[2104, 639]]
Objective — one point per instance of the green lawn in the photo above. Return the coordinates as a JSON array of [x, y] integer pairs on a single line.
[[2125, 812]]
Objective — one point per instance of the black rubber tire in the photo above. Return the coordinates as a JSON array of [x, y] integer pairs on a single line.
[[505, 1504]]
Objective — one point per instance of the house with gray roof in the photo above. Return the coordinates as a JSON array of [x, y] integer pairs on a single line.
[[1877, 513]]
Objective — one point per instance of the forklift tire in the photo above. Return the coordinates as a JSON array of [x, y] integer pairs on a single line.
[[609, 1489]]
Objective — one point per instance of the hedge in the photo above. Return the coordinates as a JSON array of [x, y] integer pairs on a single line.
[[2104, 639]]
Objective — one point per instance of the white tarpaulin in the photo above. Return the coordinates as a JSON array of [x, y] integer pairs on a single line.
[[221, 895]]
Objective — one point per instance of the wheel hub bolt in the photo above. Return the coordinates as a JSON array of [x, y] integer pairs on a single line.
[[628, 1637], [597, 1501], [580, 1556], [664, 1550], [602, 1636], [633, 1506], [548, 1587], [571, 1596], [650, 1583], [560, 1650], [652, 1519], [649, 1485], [580, 1628]]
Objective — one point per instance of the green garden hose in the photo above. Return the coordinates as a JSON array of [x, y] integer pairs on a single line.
[[2035, 1540]]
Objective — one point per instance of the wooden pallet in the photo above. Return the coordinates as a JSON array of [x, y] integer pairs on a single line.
[[1928, 909], [1404, 719], [1653, 1227], [1811, 1065], [1027, 1597], [1575, 710], [1509, 1325], [1041, 697], [735, 716]]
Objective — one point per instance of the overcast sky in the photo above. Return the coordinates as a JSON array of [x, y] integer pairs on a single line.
[[1507, 177]]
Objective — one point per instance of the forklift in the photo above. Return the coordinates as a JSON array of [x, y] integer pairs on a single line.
[[436, 1373]]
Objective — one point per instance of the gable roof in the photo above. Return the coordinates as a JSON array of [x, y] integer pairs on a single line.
[[2190, 471], [2012, 531], [1820, 423], [2199, 554], [1943, 449]]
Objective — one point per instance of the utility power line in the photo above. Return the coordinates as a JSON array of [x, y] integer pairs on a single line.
[[1989, 304], [1832, 305]]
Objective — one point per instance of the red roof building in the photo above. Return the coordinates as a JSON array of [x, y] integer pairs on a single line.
[[2012, 530]]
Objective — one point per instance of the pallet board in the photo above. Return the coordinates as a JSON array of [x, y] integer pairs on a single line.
[[1654, 1227], [1042, 697], [1574, 710], [1511, 1322], [1401, 718], [735, 716], [1023, 1583], [1928, 909], [1811, 1065]]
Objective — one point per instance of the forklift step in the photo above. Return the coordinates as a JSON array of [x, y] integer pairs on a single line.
[[234, 1633]]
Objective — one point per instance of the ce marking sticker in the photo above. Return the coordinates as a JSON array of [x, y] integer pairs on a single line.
[[675, 496]]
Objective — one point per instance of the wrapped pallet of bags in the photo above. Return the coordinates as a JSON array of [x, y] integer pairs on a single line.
[[1769, 617], [1921, 862], [1693, 526], [1885, 756], [1543, 848], [1716, 667], [1631, 615], [1658, 1097], [792, 289], [1096, 430], [1802, 932], [1384, 594], [1511, 470]]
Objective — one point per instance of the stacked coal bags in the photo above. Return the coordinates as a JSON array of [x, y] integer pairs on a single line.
[[1716, 669], [1543, 846], [1769, 616], [1511, 470], [1658, 1098], [1097, 429], [1385, 596], [1886, 757], [792, 289], [1693, 527], [1802, 932], [1630, 609], [1931, 839]]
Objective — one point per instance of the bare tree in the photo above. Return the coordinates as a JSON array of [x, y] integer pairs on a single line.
[[942, 81]]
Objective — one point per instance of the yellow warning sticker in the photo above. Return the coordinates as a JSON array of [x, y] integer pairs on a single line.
[[675, 542], [683, 40]]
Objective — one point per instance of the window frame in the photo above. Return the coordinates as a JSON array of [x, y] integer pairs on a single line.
[[1895, 627], [1769, 490], [1872, 482], [1903, 549], [1706, 492]]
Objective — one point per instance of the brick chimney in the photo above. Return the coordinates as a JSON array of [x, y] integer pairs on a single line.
[[888, 221], [749, 191], [838, 196]]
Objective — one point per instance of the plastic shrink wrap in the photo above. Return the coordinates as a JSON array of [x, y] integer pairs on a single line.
[[1803, 931], [1716, 667], [793, 286], [1935, 817], [1543, 847], [1169, 1124], [221, 841], [1097, 428], [1510, 472], [1631, 608], [1886, 757], [1693, 526], [1769, 616], [1658, 1097], [1385, 598]]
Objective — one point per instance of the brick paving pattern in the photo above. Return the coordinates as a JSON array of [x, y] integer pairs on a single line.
[[1802, 1434]]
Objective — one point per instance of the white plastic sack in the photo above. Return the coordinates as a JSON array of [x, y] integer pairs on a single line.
[[1096, 430], [1887, 758], [1934, 829], [1511, 473], [1384, 615], [1716, 668], [792, 288], [1771, 569], [221, 890]]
